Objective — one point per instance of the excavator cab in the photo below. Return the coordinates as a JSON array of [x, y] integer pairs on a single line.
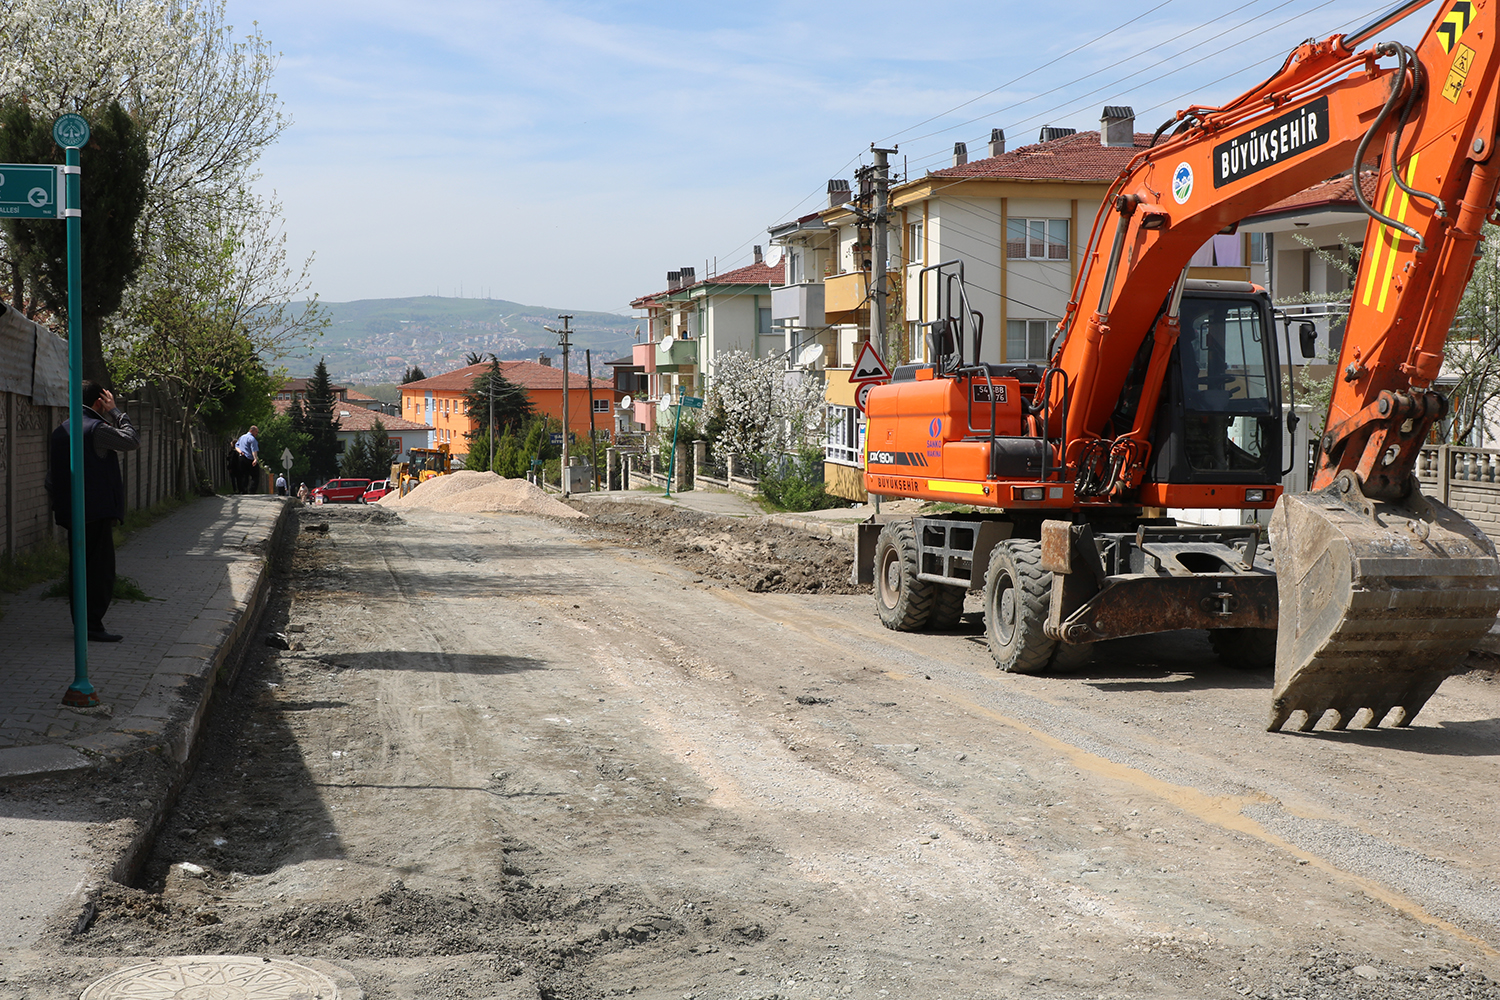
[[1219, 416]]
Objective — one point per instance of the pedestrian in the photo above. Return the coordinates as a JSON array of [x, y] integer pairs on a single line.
[[248, 450], [302, 492], [106, 429], [280, 485]]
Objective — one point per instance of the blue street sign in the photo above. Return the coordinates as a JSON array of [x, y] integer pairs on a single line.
[[29, 191], [70, 131], [557, 438]]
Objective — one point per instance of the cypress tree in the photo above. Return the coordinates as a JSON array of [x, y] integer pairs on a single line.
[[320, 426]]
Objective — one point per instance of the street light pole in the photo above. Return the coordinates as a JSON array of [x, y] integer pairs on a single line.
[[566, 345]]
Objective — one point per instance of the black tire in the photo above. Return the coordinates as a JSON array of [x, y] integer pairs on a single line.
[[903, 602], [1244, 648], [1016, 591], [947, 607], [1071, 656]]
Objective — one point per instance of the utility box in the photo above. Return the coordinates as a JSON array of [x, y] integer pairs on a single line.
[[578, 478]]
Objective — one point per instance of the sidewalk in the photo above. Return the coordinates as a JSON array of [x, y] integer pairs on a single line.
[[207, 569]]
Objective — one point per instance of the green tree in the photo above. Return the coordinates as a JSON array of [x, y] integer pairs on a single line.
[[413, 374], [512, 405], [114, 166], [1473, 350], [382, 451], [277, 435], [321, 426], [355, 461]]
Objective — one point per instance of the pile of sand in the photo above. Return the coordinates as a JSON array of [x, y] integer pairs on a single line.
[[476, 492]]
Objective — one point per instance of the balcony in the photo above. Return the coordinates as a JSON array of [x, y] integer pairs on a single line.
[[801, 303], [681, 356], [844, 296], [643, 356]]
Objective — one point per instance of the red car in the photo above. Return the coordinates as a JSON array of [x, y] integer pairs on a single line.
[[378, 489], [341, 491]]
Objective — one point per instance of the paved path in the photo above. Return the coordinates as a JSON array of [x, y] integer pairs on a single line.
[[206, 569]]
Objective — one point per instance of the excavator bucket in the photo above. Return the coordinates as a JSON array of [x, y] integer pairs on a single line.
[[1379, 602]]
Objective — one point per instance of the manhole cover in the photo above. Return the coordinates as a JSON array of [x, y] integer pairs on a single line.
[[214, 977]]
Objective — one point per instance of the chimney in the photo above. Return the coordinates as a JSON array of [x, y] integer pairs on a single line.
[[1117, 126], [1050, 132], [759, 257], [674, 280], [689, 276], [542, 359], [838, 193], [960, 154], [997, 141]]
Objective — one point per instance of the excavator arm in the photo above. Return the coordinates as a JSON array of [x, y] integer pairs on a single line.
[[1382, 591]]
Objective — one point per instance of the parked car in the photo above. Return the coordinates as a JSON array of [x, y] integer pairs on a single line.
[[341, 491], [378, 489]]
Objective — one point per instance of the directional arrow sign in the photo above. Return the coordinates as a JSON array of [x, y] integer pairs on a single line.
[[869, 367], [286, 459], [29, 191]]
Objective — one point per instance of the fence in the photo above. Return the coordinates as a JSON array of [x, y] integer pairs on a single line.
[[1466, 479], [33, 401]]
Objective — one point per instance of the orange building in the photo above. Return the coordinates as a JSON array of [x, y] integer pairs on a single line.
[[439, 401]]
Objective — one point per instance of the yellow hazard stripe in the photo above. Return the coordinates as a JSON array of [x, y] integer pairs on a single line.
[[954, 486], [1385, 246], [1452, 27]]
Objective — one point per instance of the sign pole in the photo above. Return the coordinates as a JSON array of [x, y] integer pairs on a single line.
[[68, 134], [672, 463]]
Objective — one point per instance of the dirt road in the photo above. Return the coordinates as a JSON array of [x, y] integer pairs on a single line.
[[518, 758]]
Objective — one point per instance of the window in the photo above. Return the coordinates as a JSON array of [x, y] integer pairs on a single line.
[[914, 348], [914, 243], [601, 406], [1036, 239], [1257, 248], [1226, 385], [842, 442], [1026, 339], [763, 319]]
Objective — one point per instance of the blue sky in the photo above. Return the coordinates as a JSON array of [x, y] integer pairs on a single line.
[[568, 154]]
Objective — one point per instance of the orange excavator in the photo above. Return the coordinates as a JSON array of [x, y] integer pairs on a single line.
[[1164, 392]]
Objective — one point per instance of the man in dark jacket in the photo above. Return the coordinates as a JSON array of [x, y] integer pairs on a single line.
[[106, 430]]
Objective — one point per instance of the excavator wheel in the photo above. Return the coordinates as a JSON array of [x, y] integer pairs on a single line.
[[1380, 602], [903, 602], [947, 607], [1069, 657], [1244, 648], [1016, 593]]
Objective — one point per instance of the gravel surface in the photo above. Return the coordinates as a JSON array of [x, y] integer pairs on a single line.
[[515, 758]]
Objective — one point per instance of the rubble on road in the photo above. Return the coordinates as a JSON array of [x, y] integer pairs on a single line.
[[480, 492]]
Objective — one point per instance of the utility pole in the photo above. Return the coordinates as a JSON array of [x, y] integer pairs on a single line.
[[566, 345], [877, 276], [588, 373]]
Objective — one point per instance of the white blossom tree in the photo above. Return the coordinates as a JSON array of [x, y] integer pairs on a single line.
[[762, 408]]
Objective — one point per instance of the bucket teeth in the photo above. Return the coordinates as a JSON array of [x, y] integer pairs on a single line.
[[1374, 613]]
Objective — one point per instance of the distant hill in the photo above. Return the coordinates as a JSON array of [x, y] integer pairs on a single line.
[[376, 340]]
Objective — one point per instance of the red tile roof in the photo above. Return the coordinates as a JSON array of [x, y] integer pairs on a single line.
[[528, 374], [751, 274], [1078, 157], [358, 418], [1336, 192]]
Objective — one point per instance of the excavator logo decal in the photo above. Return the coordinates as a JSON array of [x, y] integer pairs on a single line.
[[1182, 183], [1452, 27], [912, 458], [1266, 145]]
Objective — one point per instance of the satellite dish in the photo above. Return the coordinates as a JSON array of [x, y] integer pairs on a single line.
[[809, 355], [665, 403], [773, 256], [667, 342], [627, 403]]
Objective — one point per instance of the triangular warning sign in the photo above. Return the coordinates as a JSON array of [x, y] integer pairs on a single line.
[[869, 367]]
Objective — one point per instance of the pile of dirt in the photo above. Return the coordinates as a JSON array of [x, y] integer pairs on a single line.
[[755, 553], [479, 492]]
